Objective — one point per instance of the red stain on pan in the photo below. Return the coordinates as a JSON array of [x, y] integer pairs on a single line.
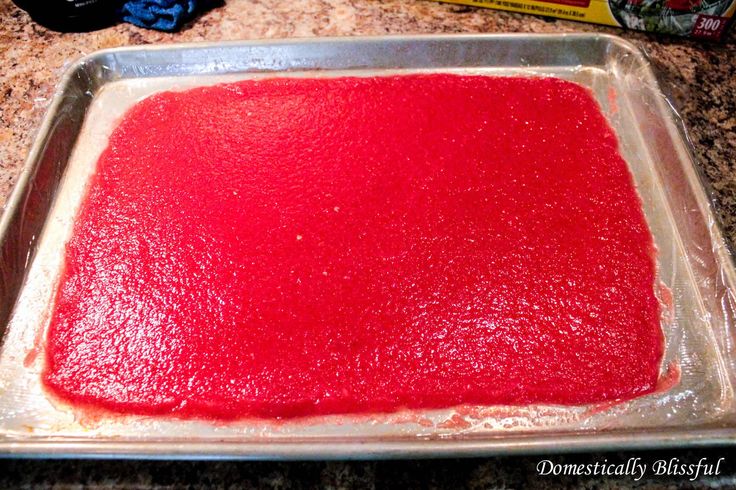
[[294, 247]]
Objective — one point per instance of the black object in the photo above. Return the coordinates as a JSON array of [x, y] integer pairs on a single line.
[[72, 15]]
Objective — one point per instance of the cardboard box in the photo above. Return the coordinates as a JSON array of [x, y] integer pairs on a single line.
[[703, 19]]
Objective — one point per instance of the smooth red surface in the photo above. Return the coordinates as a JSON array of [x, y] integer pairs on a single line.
[[293, 247]]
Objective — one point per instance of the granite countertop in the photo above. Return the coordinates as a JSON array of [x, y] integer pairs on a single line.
[[700, 78]]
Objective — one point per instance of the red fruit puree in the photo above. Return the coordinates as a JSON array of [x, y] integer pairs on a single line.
[[293, 247]]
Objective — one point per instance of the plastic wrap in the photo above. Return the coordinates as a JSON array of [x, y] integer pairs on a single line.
[[693, 404]]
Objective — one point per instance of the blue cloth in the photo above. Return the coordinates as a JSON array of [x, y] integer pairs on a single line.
[[162, 15]]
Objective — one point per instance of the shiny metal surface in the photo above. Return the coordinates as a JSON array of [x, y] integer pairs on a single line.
[[694, 261]]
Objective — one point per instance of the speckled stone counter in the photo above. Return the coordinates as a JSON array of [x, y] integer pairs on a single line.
[[700, 78]]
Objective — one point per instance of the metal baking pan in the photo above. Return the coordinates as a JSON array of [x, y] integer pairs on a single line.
[[694, 262]]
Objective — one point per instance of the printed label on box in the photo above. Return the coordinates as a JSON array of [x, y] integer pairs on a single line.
[[703, 19]]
